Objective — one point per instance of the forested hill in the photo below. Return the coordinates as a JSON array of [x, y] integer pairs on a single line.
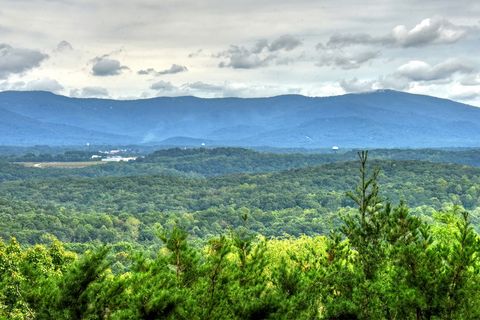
[[181, 229], [378, 262], [210, 162], [297, 201], [220, 161], [376, 119]]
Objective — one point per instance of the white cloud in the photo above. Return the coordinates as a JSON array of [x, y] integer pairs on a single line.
[[213, 90], [355, 85], [275, 41], [466, 95], [471, 80], [163, 86], [261, 54], [43, 84], [346, 61], [429, 31], [90, 92], [416, 70]]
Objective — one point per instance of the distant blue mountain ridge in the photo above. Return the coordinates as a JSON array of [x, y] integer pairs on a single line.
[[382, 119]]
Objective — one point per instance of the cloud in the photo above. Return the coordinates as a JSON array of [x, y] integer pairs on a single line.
[[44, 84], [18, 60], [202, 86], [90, 92], [429, 31], [167, 88], [195, 54], [285, 42], [175, 68], [417, 70], [212, 90], [64, 46], [106, 66], [163, 86], [147, 71], [466, 95], [393, 82], [243, 58], [383, 82], [4, 29], [261, 54], [348, 39], [346, 61], [471, 80], [355, 85]]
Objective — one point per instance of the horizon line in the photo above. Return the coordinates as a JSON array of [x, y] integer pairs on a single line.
[[228, 97]]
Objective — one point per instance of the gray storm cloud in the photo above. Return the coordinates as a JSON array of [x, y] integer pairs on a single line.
[[106, 66], [18, 60]]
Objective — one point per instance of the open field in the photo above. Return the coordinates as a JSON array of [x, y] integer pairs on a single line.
[[66, 165]]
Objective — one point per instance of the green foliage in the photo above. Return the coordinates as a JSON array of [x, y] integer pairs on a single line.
[[381, 261], [294, 202]]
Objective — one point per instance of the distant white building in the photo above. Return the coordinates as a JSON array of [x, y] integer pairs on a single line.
[[118, 159]]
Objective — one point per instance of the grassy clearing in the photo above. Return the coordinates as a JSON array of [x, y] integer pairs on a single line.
[[65, 165]]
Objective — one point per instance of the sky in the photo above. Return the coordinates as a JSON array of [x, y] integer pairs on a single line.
[[223, 48]]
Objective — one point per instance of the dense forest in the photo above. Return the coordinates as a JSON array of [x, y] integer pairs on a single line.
[[238, 234], [116, 202], [379, 260]]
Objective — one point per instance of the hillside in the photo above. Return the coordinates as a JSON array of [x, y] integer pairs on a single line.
[[377, 119], [295, 202]]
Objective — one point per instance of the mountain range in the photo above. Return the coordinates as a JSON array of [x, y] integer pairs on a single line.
[[385, 118]]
